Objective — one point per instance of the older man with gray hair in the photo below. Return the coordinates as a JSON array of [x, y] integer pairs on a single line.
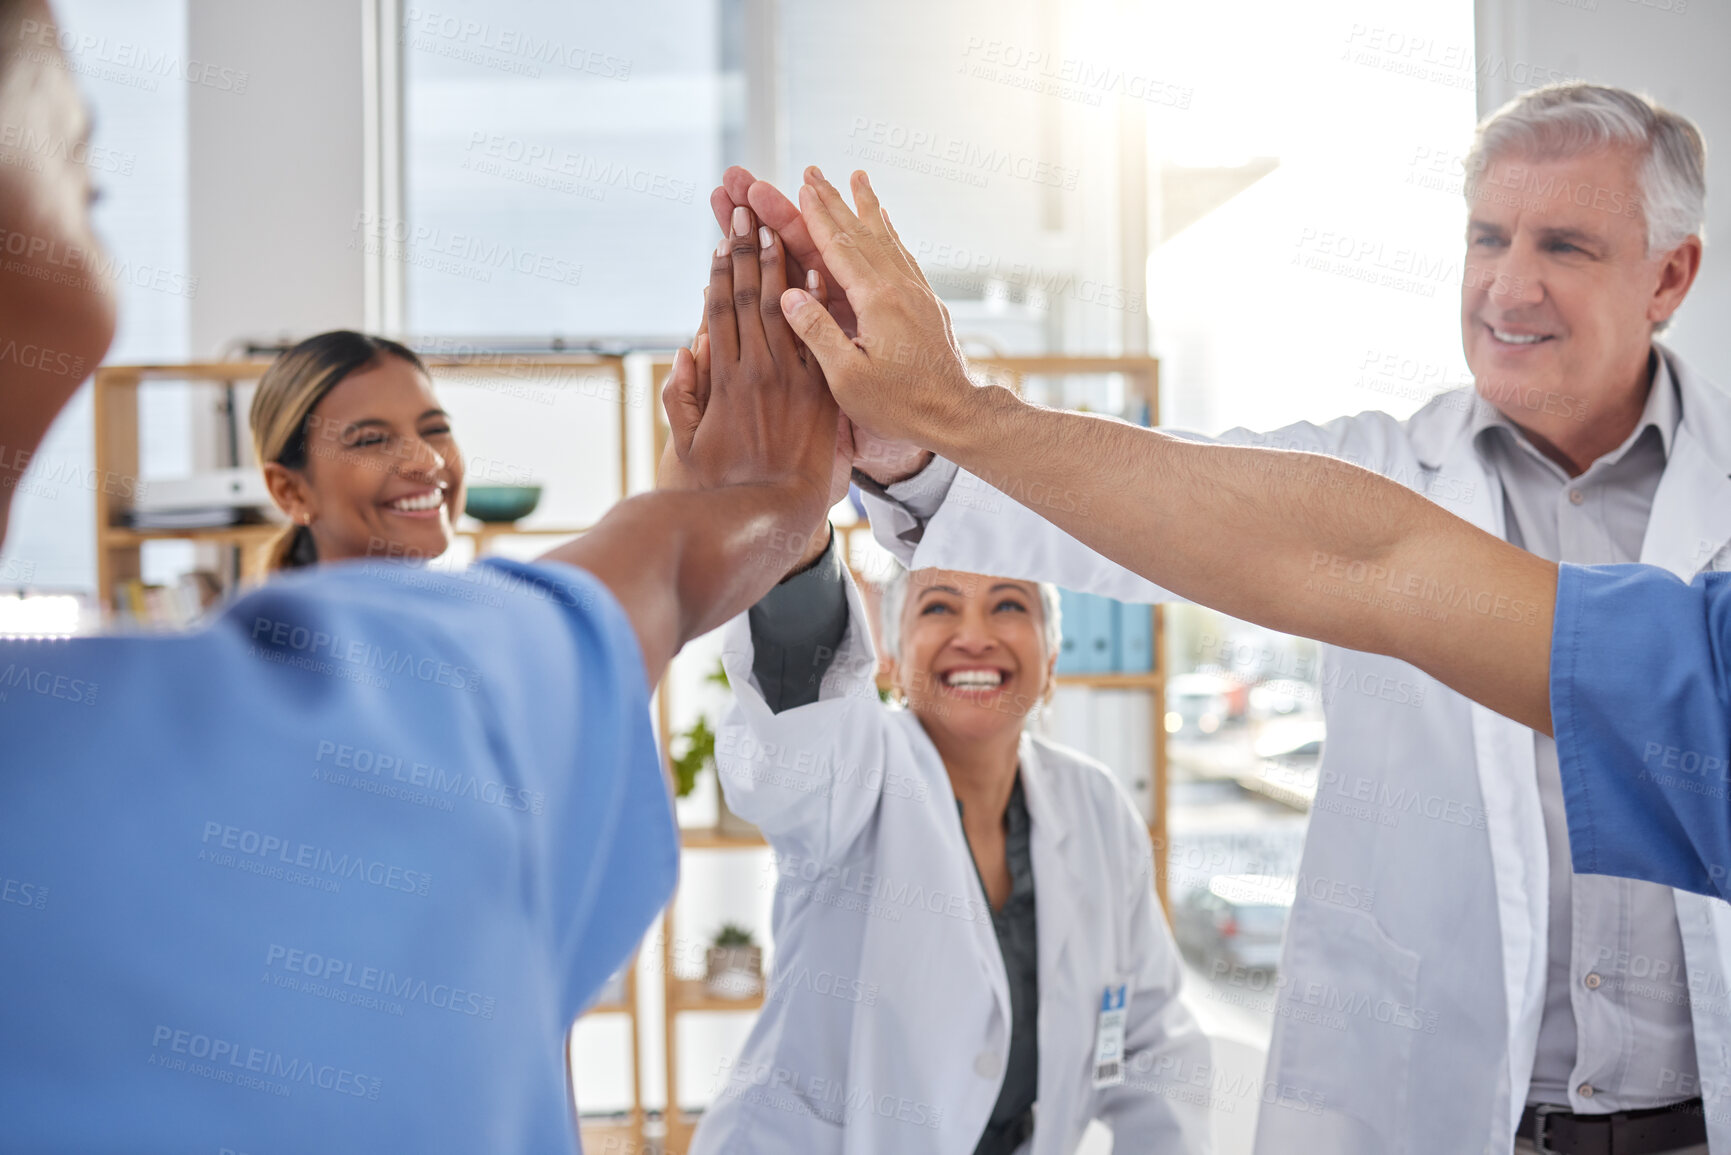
[[1488, 999]]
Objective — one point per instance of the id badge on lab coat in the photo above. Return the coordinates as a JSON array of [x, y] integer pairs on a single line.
[[1109, 1038]]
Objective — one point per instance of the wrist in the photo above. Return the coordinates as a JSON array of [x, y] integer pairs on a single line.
[[975, 421], [816, 547], [889, 467]]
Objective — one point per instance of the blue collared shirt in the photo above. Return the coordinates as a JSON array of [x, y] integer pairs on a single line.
[[1641, 705], [335, 873]]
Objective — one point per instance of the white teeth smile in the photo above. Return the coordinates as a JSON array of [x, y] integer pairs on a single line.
[[972, 679], [1519, 338], [429, 500]]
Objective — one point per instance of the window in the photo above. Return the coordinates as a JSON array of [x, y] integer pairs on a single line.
[[1306, 264], [117, 48]]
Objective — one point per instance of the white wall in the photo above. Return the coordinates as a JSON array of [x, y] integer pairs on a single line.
[[1674, 51], [276, 173]]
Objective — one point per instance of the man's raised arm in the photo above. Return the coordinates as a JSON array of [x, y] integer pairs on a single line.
[[1293, 541]]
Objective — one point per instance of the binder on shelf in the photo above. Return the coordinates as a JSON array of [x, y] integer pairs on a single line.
[[1090, 643], [1135, 638], [1102, 639]]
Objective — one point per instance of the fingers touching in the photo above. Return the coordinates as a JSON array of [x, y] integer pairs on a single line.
[[679, 397]]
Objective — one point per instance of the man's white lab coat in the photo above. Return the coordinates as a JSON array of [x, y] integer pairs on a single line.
[[1414, 1022]]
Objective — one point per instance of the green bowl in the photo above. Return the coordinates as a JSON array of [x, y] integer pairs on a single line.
[[496, 504]]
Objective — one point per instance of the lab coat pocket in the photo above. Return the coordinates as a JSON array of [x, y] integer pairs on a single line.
[[1347, 1035]]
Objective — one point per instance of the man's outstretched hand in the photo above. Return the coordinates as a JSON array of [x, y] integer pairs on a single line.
[[902, 374], [884, 459]]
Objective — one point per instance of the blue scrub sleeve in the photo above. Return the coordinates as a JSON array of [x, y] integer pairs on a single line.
[[1640, 686], [334, 873]]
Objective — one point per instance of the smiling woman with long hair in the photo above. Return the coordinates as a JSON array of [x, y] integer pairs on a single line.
[[356, 451]]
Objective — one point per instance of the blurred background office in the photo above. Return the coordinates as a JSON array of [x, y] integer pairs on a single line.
[[1264, 196]]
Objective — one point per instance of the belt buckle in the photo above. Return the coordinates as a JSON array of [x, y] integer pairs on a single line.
[[1541, 1112]]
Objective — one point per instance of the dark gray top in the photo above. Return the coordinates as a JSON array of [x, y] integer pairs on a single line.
[[795, 631]]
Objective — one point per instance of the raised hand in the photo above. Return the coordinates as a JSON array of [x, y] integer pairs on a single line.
[[739, 188], [902, 375], [884, 459], [750, 404]]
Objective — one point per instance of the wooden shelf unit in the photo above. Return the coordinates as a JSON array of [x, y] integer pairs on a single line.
[[609, 1133], [115, 400]]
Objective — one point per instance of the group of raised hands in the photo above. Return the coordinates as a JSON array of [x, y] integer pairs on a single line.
[[822, 347]]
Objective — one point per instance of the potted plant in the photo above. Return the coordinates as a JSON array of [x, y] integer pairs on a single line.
[[699, 753], [735, 964]]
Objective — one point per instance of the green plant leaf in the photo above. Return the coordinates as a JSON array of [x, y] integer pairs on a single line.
[[699, 752], [732, 934]]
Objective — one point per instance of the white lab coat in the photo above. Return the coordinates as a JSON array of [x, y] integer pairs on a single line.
[[1413, 1019], [888, 1004]]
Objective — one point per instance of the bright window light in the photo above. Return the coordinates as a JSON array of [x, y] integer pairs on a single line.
[[39, 615]]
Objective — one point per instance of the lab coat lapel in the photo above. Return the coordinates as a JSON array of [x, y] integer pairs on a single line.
[[1514, 821], [1058, 889], [1691, 518], [1061, 896]]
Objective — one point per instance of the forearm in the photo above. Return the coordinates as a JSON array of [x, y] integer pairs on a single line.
[[683, 562], [1297, 542]]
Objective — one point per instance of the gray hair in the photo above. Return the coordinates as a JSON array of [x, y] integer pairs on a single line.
[[1564, 120], [893, 597]]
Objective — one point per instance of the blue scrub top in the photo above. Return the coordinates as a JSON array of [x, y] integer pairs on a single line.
[[335, 873], [1641, 705]]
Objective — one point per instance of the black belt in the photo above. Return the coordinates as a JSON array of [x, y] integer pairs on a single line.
[[1551, 1128]]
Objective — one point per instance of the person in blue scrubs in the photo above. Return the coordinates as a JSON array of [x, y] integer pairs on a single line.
[[337, 872], [1632, 662]]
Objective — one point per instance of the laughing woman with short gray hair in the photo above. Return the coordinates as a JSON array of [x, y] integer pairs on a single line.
[[983, 899]]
